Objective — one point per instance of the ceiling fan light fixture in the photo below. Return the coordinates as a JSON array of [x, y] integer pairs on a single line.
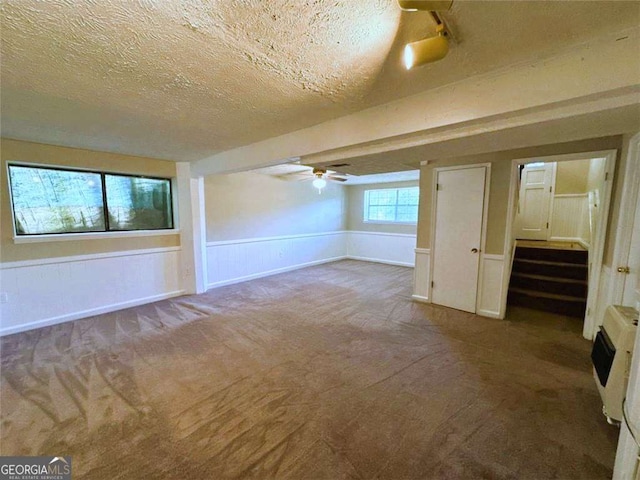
[[319, 183], [425, 51], [425, 5]]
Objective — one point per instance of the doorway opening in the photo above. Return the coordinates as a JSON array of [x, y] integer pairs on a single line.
[[559, 208]]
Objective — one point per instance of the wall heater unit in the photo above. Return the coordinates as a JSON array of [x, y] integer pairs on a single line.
[[611, 356]]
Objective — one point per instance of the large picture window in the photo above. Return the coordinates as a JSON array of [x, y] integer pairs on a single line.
[[391, 205], [49, 200]]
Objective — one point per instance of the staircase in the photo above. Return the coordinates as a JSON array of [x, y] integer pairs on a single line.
[[549, 279]]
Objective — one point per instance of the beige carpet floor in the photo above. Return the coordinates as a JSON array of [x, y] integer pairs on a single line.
[[327, 372]]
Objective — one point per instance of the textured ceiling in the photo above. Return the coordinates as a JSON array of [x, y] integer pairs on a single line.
[[184, 80]]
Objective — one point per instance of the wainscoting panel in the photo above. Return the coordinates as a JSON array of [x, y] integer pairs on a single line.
[[596, 310], [390, 248], [237, 261], [55, 290], [421, 275], [568, 217], [490, 286]]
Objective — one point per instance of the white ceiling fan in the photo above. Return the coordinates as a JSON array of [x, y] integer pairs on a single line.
[[319, 175]]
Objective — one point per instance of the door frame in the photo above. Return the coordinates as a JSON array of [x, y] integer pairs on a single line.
[[483, 230], [629, 197], [552, 195], [627, 451], [595, 269]]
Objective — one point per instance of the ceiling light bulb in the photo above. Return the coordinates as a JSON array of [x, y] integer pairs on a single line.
[[425, 51], [319, 183], [408, 57]]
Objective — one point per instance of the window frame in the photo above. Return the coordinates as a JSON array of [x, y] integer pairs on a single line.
[[89, 234], [366, 205]]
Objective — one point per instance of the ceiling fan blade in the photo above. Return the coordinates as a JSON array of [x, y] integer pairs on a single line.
[[296, 177], [336, 178]]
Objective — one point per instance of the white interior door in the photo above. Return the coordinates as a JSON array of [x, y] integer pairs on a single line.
[[460, 197], [532, 220]]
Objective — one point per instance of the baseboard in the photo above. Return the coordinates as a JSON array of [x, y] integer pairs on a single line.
[[380, 260], [47, 322], [488, 313], [420, 298], [275, 271], [381, 234], [298, 266]]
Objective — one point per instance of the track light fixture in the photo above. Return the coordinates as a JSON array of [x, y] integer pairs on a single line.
[[427, 50], [425, 5]]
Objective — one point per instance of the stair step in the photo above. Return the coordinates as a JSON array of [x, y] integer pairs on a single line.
[[554, 296], [554, 285], [552, 279], [561, 304], [550, 269], [554, 255]]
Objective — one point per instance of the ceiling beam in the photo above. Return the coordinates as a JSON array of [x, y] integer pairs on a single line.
[[603, 74]]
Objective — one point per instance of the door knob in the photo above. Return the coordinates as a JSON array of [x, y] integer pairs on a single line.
[[474, 250], [624, 270]]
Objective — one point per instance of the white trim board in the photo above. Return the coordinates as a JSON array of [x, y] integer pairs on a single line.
[[83, 258], [381, 234], [491, 286], [422, 275], [276, 237], [379, 260], [65, 237], [269, 273], [420, 298]]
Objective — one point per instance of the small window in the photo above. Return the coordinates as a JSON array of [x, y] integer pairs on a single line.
[[55, 201], [135, 203], [391, 205]]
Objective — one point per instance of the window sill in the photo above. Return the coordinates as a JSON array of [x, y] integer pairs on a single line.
[[382, 222], [63, 237]]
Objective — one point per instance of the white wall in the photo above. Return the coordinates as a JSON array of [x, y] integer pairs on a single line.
[[252, 205], [234, 261], [258, 225]]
